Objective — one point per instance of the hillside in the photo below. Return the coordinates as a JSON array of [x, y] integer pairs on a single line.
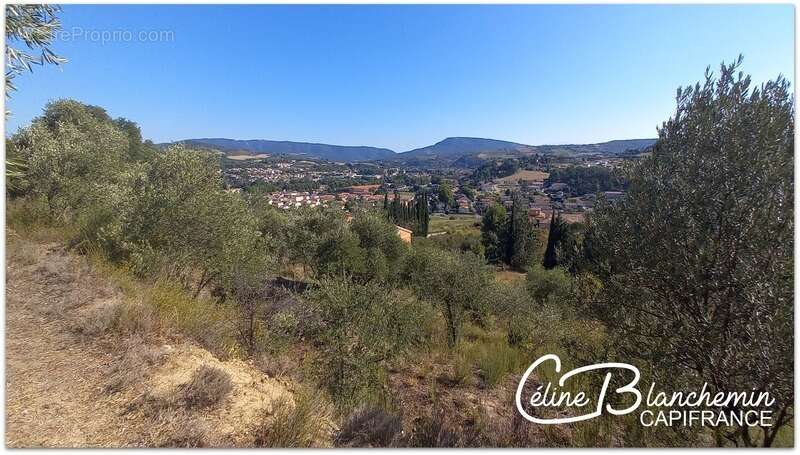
[[469, 152], [88, 366], [455, 147], [607, 148], [457, 151], [307, 149]]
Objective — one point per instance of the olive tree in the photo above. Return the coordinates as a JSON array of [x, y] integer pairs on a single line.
[[696, 260], [180, 222], [458, 283], [70, 153], [360, 329]]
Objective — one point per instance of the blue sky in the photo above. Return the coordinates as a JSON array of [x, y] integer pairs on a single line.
[[402, 76]]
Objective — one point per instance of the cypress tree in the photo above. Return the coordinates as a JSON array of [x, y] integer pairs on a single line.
[[421, 213], [396, 209], [520, 243], [426, 213], [553, 238]]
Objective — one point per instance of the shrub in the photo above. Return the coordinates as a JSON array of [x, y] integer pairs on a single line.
[[99, 319], [369, 427], [436, 430], [134, 364], [362, 327], [207, 387], [496, 360], [550, 285], [457, 283], [697, 259], [209, 323], [116, 316], [463, 366], [303, 423]]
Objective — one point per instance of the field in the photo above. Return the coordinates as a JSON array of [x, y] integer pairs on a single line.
[[464, 224], [247, 157], [531, 176], [508, 276]]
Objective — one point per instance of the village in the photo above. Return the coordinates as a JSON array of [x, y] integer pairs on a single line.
[[453, 195]]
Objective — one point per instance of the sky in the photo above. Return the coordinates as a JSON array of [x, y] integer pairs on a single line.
[[399, 77]]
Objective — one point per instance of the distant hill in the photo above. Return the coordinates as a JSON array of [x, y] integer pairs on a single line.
[[456, 147], [325, 151], [608, 148], [466, 151], [453, 151]]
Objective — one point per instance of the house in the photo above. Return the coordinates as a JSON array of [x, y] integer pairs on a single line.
[[404, 234], [556, 187], [464, 205]]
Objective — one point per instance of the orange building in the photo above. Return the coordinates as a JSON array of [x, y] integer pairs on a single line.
[[404, 234]]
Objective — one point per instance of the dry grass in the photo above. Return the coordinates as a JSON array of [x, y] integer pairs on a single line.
[[116, 316], [131, 368], [279, 365], [168, 307], [509, 276], [178, 428], [208, 387], [132, 346], [528, 176], [437, 429], [52, 377], [369, 427], [303, 423], [210, 324], [247, 157]]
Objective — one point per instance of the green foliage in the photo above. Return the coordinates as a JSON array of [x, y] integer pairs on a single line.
[[178, 210], [521, 236], [35, 26], [299, 424], [361, 328], [70, 162], [572, 249], [366, 249], [498, 359], [384, 249], [556, 235], [137, 150], [446, 194], [494, 169], [587, 179], [509, 239], [550, 285], [459, 241], [697, 259], [412, 215], [494, 233], [457, 283]]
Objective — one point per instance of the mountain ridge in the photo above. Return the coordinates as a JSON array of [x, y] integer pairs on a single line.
[[311, 149], [449, 149]]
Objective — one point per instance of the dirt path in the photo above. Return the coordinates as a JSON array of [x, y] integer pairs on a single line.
[[72, 381], [54, 379]]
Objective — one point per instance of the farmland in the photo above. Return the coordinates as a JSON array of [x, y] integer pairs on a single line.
[[529, 176]]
